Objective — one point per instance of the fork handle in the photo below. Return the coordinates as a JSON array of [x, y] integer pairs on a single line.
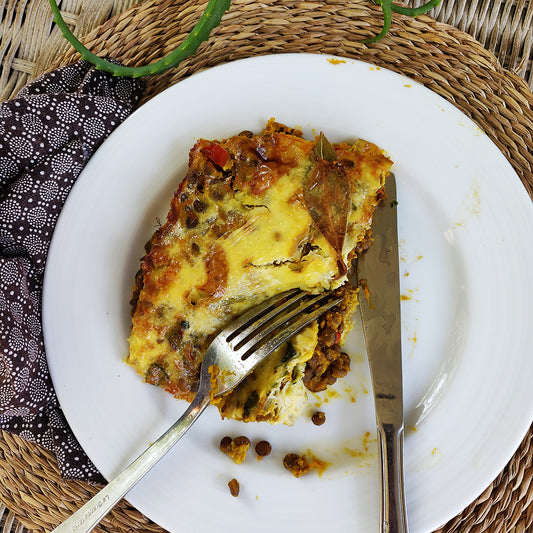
[[393, 512], [90, 514]]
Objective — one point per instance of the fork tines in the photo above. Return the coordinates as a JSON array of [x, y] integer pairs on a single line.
[[265, 327]]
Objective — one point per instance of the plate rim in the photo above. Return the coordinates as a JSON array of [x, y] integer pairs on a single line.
[[262, 58]]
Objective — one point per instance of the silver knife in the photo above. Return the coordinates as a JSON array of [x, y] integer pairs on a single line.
[[379, 301]]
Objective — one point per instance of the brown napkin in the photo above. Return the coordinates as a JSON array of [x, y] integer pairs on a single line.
[[47, 135]]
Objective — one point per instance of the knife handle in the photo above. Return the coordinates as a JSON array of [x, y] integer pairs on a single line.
[[393, 512]]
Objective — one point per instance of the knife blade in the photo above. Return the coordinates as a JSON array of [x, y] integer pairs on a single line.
[[379, 302]]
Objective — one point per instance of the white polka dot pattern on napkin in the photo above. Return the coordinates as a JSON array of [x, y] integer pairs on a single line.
[[47, 135]]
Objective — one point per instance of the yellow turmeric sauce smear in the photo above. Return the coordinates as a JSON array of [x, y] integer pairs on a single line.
[[336, 61], [317, 464], [364, 450], [300, 465]]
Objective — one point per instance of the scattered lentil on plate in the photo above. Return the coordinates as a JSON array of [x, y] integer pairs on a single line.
[[263, 448], [234, 487], [318, 418]]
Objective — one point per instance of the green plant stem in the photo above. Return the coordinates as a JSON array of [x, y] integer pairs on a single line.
[[388, 7], [210, 19], [416, 11]]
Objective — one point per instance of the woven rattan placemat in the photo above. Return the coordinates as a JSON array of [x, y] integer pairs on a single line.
[[446, 60], [505, 27], [29, 40]]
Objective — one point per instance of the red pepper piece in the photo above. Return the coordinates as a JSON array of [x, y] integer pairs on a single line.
[[217, 154]]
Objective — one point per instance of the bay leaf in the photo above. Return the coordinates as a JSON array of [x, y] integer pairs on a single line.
[[323, 149], [326, 194]]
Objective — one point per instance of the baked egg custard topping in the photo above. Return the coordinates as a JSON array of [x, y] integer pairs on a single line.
[[256, 215]]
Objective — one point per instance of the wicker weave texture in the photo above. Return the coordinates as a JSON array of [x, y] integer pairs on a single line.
[[8, 522], [505, 27], [445, 59], [29, 39]]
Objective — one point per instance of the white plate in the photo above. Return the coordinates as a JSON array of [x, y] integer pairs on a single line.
[[465, 226]]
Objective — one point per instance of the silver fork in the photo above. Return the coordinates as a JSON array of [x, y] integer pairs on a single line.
[[234, 352]]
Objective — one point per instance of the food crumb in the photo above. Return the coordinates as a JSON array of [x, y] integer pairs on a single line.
[[262, 449], [234, 487], [318, 418], [236, 448], [298, 465]]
